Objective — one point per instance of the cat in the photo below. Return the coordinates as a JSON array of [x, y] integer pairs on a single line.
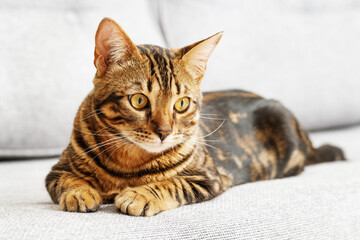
[[147, 139]]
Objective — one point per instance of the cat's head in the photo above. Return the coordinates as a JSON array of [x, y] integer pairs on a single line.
[[148, 94]]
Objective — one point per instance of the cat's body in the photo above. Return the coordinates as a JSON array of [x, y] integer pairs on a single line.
[[259, 139], [141, 140]]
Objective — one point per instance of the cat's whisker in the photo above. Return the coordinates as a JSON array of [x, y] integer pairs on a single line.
[[106, 149], [191, 146], [95, 110], [115, 148], [112, 144], [205, 140], [103, 151], [94, 134], [211, 114], [90, 149], [102, 143], [205, 144], [211, 140], [207, 135], [92, 113], [99, 145], [210, 118]]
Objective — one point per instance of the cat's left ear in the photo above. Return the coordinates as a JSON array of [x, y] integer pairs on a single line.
[[194, 57]]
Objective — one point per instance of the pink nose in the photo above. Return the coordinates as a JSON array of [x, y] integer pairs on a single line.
[[163, 133]]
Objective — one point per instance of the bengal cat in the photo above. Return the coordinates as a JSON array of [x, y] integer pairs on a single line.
[[147, 139]]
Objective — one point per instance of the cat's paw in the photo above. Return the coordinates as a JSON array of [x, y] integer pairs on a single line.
[[80, 199], [137, 202]]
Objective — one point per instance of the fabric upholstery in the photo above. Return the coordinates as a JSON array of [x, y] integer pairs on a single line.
[[321, 203], [46, 66], [303, 53]]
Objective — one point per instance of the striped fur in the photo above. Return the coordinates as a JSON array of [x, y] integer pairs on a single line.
[[223, 138]]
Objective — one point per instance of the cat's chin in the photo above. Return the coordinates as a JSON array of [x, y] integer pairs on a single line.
[[155, 148]]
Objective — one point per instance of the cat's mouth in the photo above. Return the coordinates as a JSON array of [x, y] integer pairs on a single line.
[[154, 144]]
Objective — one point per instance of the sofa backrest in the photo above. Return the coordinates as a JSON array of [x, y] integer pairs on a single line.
[[46, 66], [304, 53]]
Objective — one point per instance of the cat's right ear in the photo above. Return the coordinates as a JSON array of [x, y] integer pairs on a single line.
[[112, 45]]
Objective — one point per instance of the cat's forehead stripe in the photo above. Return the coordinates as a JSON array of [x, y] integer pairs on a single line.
[[152, 65], [177, 87], [149, 85], [161, 66]]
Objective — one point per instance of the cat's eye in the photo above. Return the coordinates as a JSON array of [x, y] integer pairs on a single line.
[[138, 101], [182, 104]]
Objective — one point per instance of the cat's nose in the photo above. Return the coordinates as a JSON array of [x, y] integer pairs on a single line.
[[163, 133]]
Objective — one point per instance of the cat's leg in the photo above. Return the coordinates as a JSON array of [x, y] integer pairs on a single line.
[[150, 199], [73, 193]]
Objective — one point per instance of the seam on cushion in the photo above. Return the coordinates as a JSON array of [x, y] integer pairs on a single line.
[[30, 153], [333, 127]]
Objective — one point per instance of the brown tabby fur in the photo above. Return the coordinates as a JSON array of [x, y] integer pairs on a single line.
[[115, 154]]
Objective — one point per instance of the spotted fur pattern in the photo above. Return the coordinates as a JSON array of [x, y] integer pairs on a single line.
[[119, 154]]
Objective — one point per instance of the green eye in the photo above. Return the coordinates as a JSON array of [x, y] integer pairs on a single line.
[[182, 104], [139, 101]]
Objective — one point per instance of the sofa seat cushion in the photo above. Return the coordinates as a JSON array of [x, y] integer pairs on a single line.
[[321, 203]]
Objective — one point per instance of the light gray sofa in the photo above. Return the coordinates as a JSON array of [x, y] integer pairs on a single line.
[[304, 53]]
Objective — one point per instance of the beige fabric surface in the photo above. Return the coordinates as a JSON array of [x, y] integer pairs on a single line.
[[321, 203]]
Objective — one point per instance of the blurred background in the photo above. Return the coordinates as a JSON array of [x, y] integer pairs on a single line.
[[305, 53]]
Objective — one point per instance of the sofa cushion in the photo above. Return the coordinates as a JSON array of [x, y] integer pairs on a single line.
[[46, 66], [320, 203], [303, 53]]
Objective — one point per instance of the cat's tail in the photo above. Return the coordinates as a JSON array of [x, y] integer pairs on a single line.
[[326, 153]]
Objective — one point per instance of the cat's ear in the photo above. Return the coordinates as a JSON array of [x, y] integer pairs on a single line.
[[194, 57], [112, 45]]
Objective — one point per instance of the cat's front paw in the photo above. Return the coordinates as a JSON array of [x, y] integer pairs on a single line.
[[80, 199], [137, 202]]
